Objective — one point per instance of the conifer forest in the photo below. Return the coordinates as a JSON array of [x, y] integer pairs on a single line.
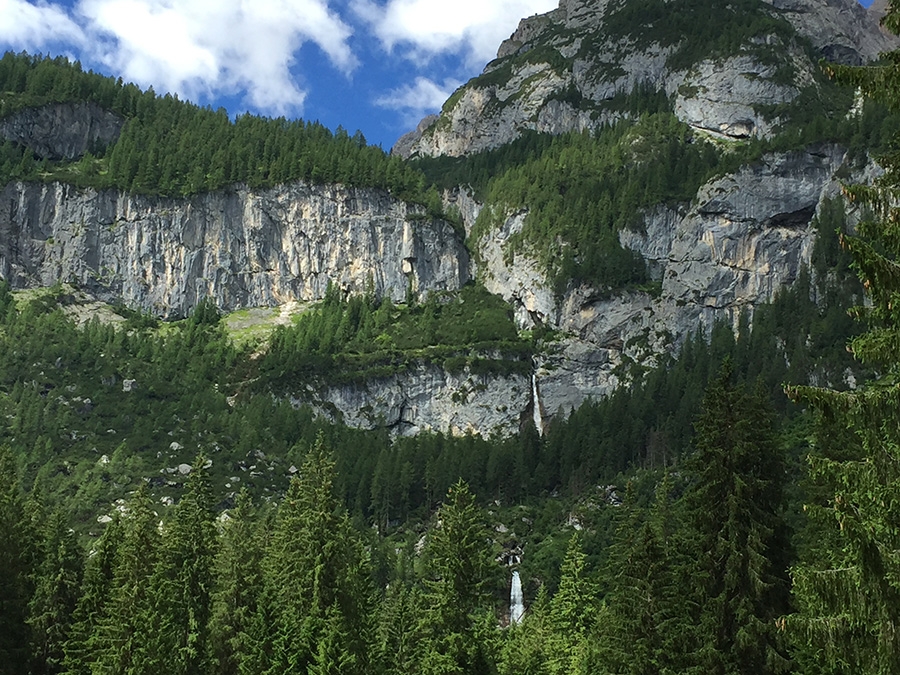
[[733, 508]]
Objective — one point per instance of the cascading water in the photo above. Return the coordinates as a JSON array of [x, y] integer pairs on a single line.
[[516, 600], [536, 406]]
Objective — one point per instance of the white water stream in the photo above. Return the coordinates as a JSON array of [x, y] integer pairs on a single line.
[[516, 600], [536, 406]]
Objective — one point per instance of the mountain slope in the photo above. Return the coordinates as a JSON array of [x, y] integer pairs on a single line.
[[721, 66], [715, 142]]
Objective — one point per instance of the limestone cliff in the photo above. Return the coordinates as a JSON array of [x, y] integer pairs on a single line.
[[742, 237], [240, 247], [428, 398], [569, 69], [62, 130]]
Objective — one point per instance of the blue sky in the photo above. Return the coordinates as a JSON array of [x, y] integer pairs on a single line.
[[374, 65]]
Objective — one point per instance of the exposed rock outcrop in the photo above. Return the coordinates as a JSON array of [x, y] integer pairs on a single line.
[[569, 69], [426, 397], [62, 130], [240, 247], [743, 237], [842, 31]]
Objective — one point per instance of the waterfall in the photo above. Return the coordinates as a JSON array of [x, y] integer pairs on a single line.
[[516, 600], [536, 406]]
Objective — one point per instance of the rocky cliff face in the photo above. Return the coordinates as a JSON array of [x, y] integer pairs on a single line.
[[428, 398], [743, 237], [62, 130], [568, 70], [240, 247]]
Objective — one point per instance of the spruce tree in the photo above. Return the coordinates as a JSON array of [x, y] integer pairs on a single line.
[[56, 592], [123, 636], [525, 649], [734, 506], [317, 578], [459, 621], [646, 626], [237, 588], [16, 563], [572, 613], [847, 586], [399, 628], [96, 586], [182, 582]]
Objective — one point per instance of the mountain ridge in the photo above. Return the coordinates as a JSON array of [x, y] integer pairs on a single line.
[[743, 230], [554, 85]]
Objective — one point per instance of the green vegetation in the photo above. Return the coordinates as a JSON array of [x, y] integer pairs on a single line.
[[364, 337], [846, 583], [324, 574], [659, 524], [170, 147], [698, 29], [582, 189]]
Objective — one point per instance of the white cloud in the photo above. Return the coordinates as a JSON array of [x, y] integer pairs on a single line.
[[196, 49], [417, 100], [218, 46], [28, 26], [473, 28]]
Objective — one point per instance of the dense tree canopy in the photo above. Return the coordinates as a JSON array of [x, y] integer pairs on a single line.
[[847, 585]]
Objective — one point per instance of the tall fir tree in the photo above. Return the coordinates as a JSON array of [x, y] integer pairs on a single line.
[[96, 586], [734, 505], [17, 565], [460, 571], [123, 635], [238, 587], [646, 625], [399, 628], [526, 645], [318, 571], [56, 592], [572, 614], [847, 586], [182, 582]]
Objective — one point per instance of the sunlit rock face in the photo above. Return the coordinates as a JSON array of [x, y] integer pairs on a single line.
[[239, 247], [565, 70], [427, 398]]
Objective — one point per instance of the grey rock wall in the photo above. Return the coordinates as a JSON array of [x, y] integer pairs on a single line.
[[545, 62], [62, 130], [742, 238], [427, 398], [240, 247]]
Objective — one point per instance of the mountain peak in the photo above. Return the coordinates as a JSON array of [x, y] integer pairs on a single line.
[[728, 70]]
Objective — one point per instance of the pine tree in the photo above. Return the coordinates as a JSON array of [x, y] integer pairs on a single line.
[[81, 647], [182, 582], [572, 613], [733, 505], [526, 645], [123, 636], [399, 628], [238, 587], [848, 585], [460, 571], [646, 624], [16, 563], [315, 566], [57, 587]]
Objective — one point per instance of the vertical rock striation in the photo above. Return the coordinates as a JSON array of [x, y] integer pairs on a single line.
[[240, 247]]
